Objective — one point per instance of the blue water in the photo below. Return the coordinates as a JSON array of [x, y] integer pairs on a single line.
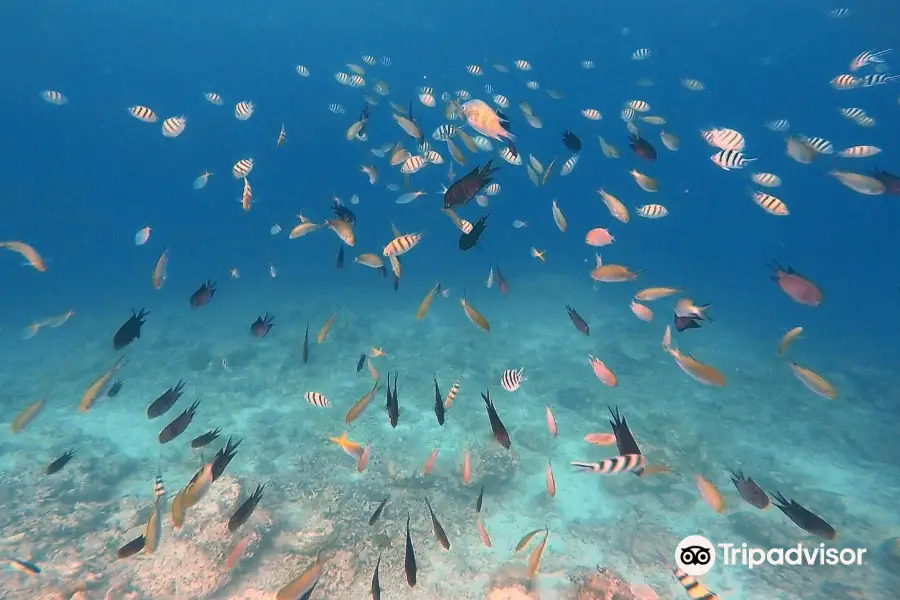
[[82, 178]]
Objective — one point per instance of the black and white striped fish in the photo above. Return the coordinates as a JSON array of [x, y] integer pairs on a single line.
[[213, 98], [512, 379], [174, 126], [868, 57], [626, 463], [243, 110], [242, 168], [54, 97], [316, 399], [876, 79], [817, 144], [730, 159], [142, 113]]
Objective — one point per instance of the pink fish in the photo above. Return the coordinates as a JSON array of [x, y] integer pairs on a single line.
[[429, 464], [237, 553], [799, 288], [551, 423]]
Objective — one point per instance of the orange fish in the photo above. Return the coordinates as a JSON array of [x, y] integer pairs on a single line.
[[602, 371], [696, 369], [813, 381], [600, 439], [95, 389], [710, 494], [482, 533], [28, 253], [26, 416], [246, 196], [323, 333], [429, 464], [351, 448], [159, 271]]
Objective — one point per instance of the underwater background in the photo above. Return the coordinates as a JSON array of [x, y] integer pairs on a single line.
[[83, 176]]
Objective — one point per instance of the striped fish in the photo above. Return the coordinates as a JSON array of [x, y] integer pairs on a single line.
[[569, 165], [54, 97], [242, 168], [769, 180], [652, 211], [402, 244], [859, 152], [778, 125], [867, 58], [694, 588], [770, 204], [213, 98], [876, 79], [512, 379], [641, 54], [451, 395], [817, 144], [626, 463], [724, 138], [844, 82], [316, 399], [413, 164], [142, 113], [591, 113], [243, 110], [730, 159], [174, 126]]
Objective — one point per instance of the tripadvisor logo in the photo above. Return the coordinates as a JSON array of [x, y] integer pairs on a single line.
[[696, 555]]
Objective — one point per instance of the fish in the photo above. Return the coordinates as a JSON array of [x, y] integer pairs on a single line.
[[25, 416], [550, 480], [57, 465], [502, 284], [479, 500], [361, 404], [534, 561], [392, 405], [179, 424], [204, 439], [813, 381], [326, 327], [464, 189], [798, 288], [805, 519], [473, 315], [261, 326], [223, 457], [203, 294], [467, 241], [166, 400], [426, 302], [23, 566], [500, 433], [579, 323], [642, 147], [571, 141], [551, 423], [130, 329], [409, 558], [339, 261], [375, 589], [438, 403], [350, 447], [244, 511], [750, 491], [683, 323], [439, 532], [131, 548], [27, 252], [377, 514], [153, 529], [628, 463], [114, 389], [301, 587], [95, 389], [625, 442], [788, 339], [526, 539], [195, 490], [361, 362], [237, 552], [304, 352], [710, 494]]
